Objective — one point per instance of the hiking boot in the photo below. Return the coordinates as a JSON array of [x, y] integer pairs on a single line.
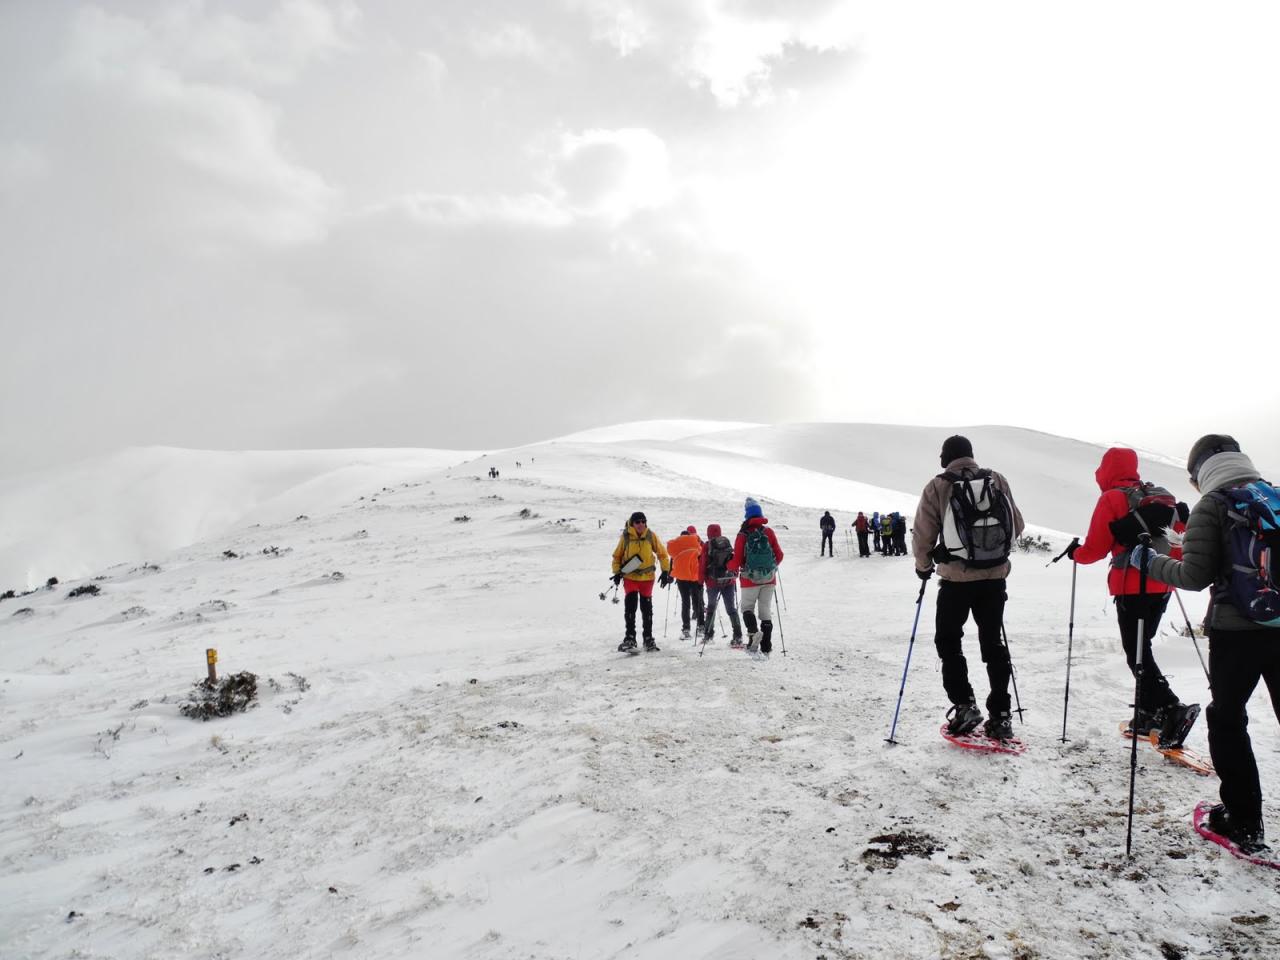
[[963, 718], [685, 634], [736, 643], [627, 645], [753, 642], [1248, 837], [1147, 721], [650, 646], [999, 726], [1178, 721]]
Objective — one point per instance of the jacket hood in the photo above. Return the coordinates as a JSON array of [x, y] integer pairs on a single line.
[[752, 522], [1119, 468], [713, 530], [961, 463]]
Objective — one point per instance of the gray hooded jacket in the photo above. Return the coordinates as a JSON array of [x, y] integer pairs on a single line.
[[1206, 557]]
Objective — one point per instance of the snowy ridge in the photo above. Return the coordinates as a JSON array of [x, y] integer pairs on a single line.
[[468, 769]]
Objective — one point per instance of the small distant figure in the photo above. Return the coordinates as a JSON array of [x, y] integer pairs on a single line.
[[875, 530], [862, 527], [899, 535], [886, 534], [828, 527]]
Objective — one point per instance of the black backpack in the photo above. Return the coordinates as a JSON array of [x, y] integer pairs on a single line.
[[719, 553], [977, 523], [1151, 511]]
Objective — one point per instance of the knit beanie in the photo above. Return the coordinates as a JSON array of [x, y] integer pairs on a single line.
[[751, 509], [638, 517], [691, 529], [955, 447], [1206, 447]]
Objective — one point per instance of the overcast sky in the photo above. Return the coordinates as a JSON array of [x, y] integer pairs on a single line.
[[479, 223]]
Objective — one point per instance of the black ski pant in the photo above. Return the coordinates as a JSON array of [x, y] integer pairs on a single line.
[[876, 538], [690, 596], [1154, 694], [827, 544], [1237, 660], [900, 544], [863, 549], [646, 614], [985, 600], [729, 591]]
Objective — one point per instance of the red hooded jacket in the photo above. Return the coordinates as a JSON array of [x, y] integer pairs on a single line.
[[740, 551], [1119, 469]]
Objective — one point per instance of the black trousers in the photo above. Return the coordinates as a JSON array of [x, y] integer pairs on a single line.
[[827, 544], [690, 595], [876, 536], [863, 549], [1149, 608], [646, 614], [985, 600], [1238, 659]]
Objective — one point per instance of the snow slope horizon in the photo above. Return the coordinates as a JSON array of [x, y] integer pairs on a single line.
[[469, 770], [137, 503]]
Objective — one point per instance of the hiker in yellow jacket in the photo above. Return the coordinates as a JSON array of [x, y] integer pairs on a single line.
[[637, 558]]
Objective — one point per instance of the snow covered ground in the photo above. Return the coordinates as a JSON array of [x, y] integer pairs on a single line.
[[449, 759]]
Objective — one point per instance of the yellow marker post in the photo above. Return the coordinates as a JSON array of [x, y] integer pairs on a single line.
[[211, 655]]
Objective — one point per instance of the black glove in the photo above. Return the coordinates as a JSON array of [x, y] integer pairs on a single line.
[[616, 578], [925, 574], [665, 579], [1183, 511], [1072, 547]]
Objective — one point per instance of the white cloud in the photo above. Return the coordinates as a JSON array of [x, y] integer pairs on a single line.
[[510, 40], [613, 172], [21, 164], [211, 148]]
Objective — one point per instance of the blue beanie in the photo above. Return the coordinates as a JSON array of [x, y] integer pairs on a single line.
[[752, 509]]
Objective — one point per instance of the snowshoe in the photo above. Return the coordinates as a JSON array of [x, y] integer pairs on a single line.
[[650, 646], [1213, 822], [628, 645]]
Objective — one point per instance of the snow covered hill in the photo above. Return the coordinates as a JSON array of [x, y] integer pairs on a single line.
[[448, 758]]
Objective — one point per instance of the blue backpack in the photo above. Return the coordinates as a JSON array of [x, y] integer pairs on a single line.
[[758, 563], [1253, 543]]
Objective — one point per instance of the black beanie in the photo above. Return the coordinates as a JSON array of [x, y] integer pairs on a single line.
[[638, 516], [1206, 447], [955, 447]]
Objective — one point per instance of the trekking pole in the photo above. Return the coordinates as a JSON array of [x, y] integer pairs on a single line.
[[1192, 634], [666, 617], [782, 637], [1013, 674], [1071, 625], [1143, 539], [778, 577], [910, 646], [605, 592]]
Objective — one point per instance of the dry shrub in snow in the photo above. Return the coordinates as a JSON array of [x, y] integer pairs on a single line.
[[235, 693]]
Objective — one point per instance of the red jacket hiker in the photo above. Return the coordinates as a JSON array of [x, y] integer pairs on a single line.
[[740, 550], [1119, 469]]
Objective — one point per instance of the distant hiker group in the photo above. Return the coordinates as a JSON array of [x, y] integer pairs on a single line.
[[887, 530], [964, 528], [714, 565]]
